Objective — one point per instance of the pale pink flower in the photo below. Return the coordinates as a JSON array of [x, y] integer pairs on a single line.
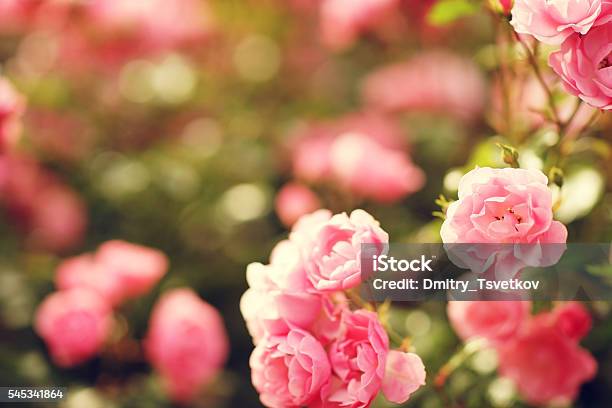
[[12, 106], [84, 272], [342, 21], [358, 358], [495, 321], [289, 370], [331, 246], [553, 21], [74, 324], [503, 206], [546, 365], [186, 343], [404, 374], [435, 81], [137, 267], [357, 162], [279, 294], [584, 63], [311, 151], [294, 200]]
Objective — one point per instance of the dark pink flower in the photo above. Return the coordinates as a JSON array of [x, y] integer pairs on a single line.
[[294, 200], [546, 365]]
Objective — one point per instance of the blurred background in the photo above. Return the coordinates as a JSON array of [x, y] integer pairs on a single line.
[[205, 128]]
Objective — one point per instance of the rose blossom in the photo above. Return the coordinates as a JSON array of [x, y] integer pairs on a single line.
[[547, 366], [496, 321], [503, 206], [552, 21], [343, 20], [311, 150], [357, 162], [571, 319], [278, 294], [84, 272], [331, 246], [289, 370], [51, 215], [434, 81], [186, 342], [294, 200], [404, 374], [358, 358], [12, 106], [584, 63], [74, 324], [137, 267]]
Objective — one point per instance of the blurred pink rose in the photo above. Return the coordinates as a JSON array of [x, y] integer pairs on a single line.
[[279, 294], [495, 321], [502, 206], [372, 171], [343, 20], [74, 324], [84, 272], [358, 358], [553, 21], [294, 200], [289, 370], [59, 220], [584, 63], [572, 319], [547, 366], [404, 374], [312, 148], [331, 246], [437, 81], [12, 106], [52, 215], [186, 343], [137, 267]]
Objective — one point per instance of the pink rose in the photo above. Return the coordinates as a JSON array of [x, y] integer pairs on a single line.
[[186, 343], [584, 63], [357, 162], [278, 294], [572, 320], [12, 107], [358, 359], [74, 324], [507, 215], [331, 246], [435, 81], [553, 21], [84, 272], [138, 267], [289, 370], [495, 321], [502, 206], [311, 150], [546, 366], [294, 200], [343, 20], [50, 214], [404, 374]]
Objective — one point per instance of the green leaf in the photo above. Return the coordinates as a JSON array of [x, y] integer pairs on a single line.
[[447, 11]]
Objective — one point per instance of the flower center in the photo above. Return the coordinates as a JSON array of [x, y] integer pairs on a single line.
[[606, 62]]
